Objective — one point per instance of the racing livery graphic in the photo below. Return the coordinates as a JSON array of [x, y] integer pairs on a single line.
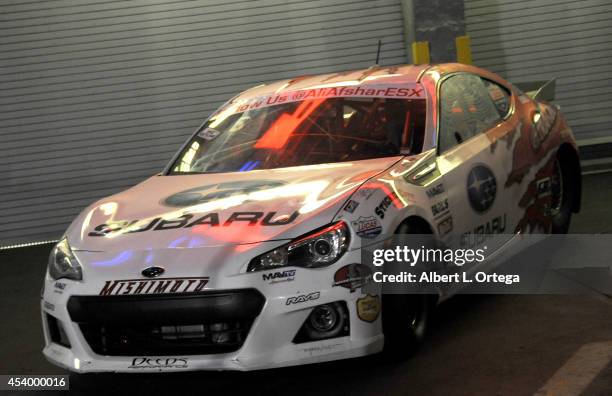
[[245, 252]]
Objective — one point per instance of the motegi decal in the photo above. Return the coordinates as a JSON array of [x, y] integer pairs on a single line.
[[303, 298], [158, 363], [153, 286], [279, 276], [481, 188], [188, 221]]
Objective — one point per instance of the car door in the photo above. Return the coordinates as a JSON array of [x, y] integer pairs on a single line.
[[471, 162]]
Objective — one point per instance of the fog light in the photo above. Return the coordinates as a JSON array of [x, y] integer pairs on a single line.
[[323, 318], [325, 321]]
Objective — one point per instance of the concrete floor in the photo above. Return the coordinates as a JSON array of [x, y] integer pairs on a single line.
[[478, 345]]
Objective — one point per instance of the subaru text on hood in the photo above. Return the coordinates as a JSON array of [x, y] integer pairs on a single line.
[[245, 253]]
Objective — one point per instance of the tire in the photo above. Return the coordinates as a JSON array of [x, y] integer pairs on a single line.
[[405, 322], [405, 317], [562, 196]]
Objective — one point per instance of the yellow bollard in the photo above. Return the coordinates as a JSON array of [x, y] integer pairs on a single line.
[[420, 52], [464, 52]]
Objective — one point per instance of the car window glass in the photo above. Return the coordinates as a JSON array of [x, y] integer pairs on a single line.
[[500, 97], [466, 110], [308, 132]]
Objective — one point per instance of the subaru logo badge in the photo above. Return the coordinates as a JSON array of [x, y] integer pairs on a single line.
[[152, 272], [481, 188]]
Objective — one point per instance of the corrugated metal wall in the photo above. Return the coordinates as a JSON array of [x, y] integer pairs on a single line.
[[538, 39], [98, 95]]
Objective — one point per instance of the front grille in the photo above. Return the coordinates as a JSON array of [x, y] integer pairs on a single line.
[[170, 324], [154, 340]]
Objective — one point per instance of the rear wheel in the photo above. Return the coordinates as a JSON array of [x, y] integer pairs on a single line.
[[406, 316], [562, 196]]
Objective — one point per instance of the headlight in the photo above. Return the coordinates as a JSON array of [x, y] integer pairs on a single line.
[[318, 249], [63, 264]]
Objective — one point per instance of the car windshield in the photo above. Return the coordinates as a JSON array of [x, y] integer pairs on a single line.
[[305, 132]]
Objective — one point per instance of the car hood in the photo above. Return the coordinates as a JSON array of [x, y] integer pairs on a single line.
[[200, 210]]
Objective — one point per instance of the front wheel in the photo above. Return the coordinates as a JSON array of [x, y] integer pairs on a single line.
[[406, 316], [405, 321]]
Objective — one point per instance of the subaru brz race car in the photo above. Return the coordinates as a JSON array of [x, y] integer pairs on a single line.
[[245, 252]]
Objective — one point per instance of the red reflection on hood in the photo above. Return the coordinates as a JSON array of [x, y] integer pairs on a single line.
[[234, 233]]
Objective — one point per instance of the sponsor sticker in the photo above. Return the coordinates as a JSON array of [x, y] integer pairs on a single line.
[[367, 227], [435, 190], [351, 206], [382, 207], [279, 276], [158, 363], [352, 276], [445, 226], [439, 208], [368, 308], [58, 287], [303, 298], [405, 91], [153, 286]]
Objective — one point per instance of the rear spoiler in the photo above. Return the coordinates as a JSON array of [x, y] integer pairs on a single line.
[[539, 90]]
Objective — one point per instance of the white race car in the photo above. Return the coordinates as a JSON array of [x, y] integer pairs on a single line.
[[246, 251]]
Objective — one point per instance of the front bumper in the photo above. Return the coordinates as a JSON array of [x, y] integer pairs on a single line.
[[257, 310]]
